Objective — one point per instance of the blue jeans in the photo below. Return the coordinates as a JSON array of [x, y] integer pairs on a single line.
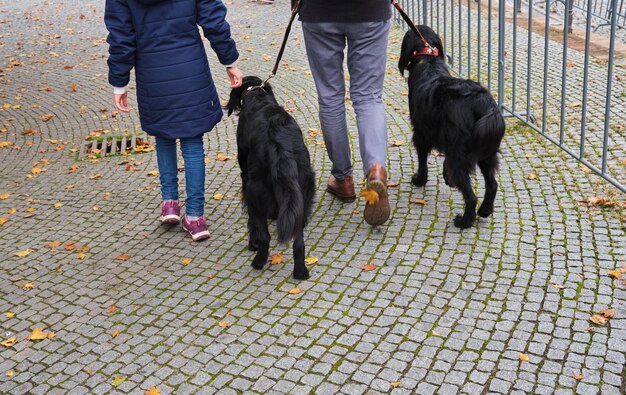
[[367, 58], [193, 154]]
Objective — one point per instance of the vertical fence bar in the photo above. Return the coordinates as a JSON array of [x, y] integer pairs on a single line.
[[478, 49], [469, 38], [609, 88], [583, 125], [425, 16], [501, 20], [514, 82], [530, 58], [460, 37], [489, 5], [564, 77], [546, 50]]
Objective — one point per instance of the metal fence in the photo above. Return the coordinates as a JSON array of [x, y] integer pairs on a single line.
[[571, 91]]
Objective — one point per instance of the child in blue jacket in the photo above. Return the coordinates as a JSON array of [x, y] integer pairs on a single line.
[[176, 95]]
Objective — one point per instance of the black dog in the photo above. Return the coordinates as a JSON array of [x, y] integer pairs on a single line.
[[278, 181], [458, 117]]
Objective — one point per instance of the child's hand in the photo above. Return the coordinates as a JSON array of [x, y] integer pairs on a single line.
[[235, 76], [121, 102]]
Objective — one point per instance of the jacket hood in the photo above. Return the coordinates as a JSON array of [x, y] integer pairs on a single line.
[[151, 2]]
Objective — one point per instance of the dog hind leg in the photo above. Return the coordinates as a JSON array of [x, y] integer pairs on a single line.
[[463, 183], [488, 168], [419, 179], [300, 272], [263, 239], [253, 236]]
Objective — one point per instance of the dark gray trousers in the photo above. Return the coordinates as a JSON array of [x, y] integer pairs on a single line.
[[367, 60]]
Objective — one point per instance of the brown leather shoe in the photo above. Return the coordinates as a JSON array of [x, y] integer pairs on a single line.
[[377, 213], [343, 189]]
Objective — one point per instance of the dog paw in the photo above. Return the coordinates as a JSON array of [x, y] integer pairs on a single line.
[[462, 222], [484, 211], [301, 274], [258, 263], [419, 181]]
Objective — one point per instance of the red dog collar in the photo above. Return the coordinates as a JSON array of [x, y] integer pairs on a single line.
[[427, 50]]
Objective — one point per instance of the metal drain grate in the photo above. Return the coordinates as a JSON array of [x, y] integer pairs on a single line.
[[104, 146]]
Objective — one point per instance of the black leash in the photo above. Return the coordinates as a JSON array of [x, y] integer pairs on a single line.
[[294, 12], [431, 50]]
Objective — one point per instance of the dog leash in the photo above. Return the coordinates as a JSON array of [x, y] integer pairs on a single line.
[[429, 49], [294, 12]]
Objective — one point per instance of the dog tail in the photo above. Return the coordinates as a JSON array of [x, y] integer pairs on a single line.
[[285, 181], [489, 130]]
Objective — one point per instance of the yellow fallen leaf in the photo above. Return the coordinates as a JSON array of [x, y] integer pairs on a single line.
[[4, 196], [295, 291], [96, 176], [277, 259], [112, 309], [218, 196], [153, 391], [223, 158], [58, 205], [37, 334], [185, 261], [10, 373], [81, 256], [51, 335], [615, 274], [311, 260], [31, 210], [153, 173], [394, 384], [223, 323], [608, 313], [115, 333], [117, 380], [9, 314], [3, 221], [38, 170], [421, 202], [4, 144], [95, 208], [397, 143], [12, 211], [598, 319], [123, 257], [578, 376], [531, 176], [524, 358], [28, 285], [22, 254], [10, 342], [88, 370], [369, 267], [558, 286], [370, 195]]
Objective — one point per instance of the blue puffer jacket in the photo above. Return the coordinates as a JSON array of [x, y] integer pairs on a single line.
[[160, 39]]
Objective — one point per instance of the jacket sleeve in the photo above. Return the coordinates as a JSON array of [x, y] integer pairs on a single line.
[[121, 39], [211, 16]]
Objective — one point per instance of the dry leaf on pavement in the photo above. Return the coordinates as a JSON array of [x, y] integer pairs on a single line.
[[276, 259], [10, 342], [369, 267]]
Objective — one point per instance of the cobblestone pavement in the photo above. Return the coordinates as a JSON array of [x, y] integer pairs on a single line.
[[134, 304]]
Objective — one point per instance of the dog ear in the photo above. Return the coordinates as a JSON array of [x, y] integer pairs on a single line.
[[234, 103], [406, 52], [438, 44]]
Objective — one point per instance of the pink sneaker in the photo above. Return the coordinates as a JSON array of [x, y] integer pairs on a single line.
[[197, 228], [170, 212]]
